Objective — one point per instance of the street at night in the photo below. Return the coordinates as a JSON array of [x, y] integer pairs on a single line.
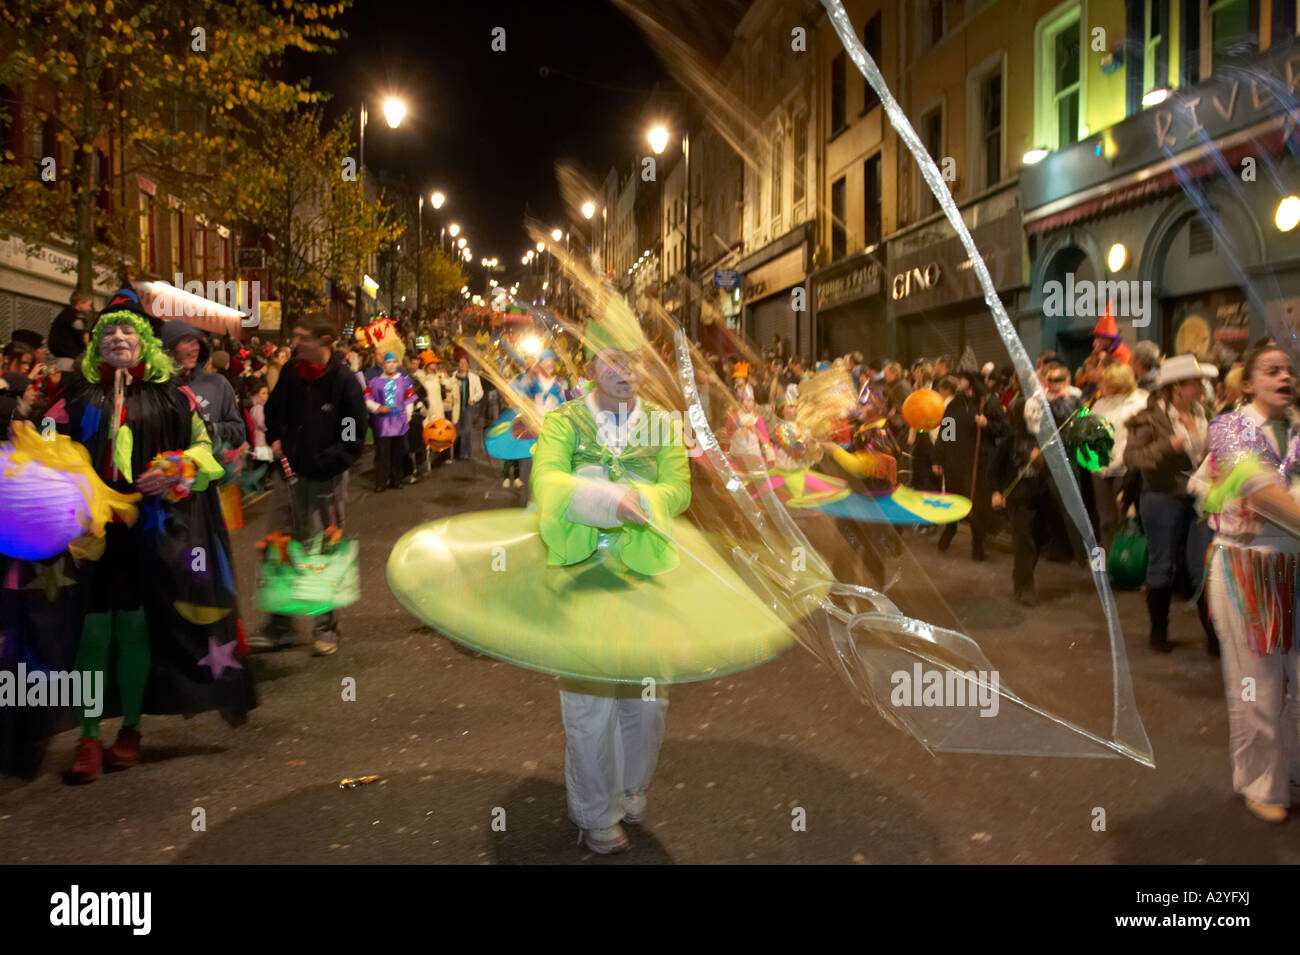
[[747, 433]]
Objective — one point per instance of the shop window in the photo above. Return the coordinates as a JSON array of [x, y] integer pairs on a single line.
[[839, 237], [872, 201], [1234, 32], [839, 107], [990, 145], [872, 42]]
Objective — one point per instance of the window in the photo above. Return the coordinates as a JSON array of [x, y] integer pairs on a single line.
[[1064, 45], [10, 123], [800, 160], [778, 173], [103, 195], [175, 228], [839, 112], [871, 40], [148, 247], [932, 137], [932, 22], [1155, 45], [1189, 72], [1283, 21], [839, 239], [1234, 31], [991, 129], [49, 149], [871, 201]]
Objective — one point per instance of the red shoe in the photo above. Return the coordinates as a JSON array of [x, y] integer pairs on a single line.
[[87, 763], [125, 752]]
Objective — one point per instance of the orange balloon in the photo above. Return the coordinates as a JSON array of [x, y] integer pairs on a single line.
[[439, 435], [923, 409]]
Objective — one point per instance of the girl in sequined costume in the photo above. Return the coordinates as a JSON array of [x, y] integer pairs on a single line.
[[1249, 485]]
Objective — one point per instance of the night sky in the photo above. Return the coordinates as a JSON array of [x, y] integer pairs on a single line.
[[487, 127]]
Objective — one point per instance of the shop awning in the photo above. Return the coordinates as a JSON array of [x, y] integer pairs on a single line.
[[166, 301], [1147, 185]]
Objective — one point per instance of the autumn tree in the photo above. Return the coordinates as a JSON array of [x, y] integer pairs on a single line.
[[299, 187], [174, 84]]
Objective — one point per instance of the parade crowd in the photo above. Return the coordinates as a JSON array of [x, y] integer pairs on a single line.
[[1201, 451]]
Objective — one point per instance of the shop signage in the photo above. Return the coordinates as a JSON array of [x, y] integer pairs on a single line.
[[775, 276], [917, 279], [866, 278], [1193, 116], [942, 274], [726, 278]]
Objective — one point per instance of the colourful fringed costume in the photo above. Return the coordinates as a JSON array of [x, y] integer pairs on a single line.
[[1251, 589]]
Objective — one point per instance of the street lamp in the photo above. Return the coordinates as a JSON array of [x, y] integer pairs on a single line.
[[394, 110], [462, 243], [438, 199], [453, 230], [658, 137], [556, 234], [588, 209], [541, 246]]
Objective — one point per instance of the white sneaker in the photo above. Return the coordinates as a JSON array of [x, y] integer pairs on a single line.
[[518, 483], [634, 807], [506, 482], [605, 842]]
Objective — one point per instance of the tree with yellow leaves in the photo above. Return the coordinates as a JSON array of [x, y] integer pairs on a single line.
[[167, 89]]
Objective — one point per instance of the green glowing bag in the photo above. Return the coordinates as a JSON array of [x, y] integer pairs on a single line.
[[319, 576], [1127, 563]]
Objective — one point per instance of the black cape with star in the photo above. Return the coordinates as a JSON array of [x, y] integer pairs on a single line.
[[175, 558]]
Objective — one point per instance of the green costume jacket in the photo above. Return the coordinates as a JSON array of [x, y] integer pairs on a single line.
[[570, 455]]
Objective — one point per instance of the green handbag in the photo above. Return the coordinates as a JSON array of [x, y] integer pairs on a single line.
[[317, 578], [1127, 563]]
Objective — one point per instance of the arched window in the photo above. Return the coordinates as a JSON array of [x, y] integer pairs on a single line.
[[778, 174]]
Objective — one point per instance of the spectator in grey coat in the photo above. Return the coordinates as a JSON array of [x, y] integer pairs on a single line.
[[214, 393]]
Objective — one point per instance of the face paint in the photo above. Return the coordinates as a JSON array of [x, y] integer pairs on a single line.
[[120, 345]]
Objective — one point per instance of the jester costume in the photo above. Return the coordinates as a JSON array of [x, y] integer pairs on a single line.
[[161, 600], [1251, 585]]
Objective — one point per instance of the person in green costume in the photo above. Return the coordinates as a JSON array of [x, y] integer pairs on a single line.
[[610, 470]]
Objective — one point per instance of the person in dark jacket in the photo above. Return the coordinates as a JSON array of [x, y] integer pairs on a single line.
[[213, 392], [966, 461], [69, 330], [316, 421], [1034, 513], [1167, 442]]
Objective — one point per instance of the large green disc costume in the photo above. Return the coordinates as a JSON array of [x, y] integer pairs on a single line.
[[621, 605]]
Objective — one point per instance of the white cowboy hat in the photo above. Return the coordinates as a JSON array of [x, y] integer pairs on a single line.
[[1183, 368]]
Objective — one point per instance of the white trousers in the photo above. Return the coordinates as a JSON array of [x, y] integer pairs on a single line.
[[612, 747], [1263, 727]]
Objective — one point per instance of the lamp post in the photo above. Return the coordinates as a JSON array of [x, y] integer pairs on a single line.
[[658, 137], [419, 253], [394, 110]]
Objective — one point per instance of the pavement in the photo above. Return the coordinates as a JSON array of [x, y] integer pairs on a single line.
[[778, 764]]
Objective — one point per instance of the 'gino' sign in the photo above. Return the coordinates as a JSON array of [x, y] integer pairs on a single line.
[[919, 279]]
